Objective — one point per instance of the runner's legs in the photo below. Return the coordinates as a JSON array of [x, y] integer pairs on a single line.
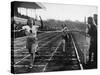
[[31, 46]]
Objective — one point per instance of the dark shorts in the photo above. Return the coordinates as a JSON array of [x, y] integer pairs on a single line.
[[30, 41]]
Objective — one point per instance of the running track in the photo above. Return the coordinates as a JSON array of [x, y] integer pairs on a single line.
[[50, 58]]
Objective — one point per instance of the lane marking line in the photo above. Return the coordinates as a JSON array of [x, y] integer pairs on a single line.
[[77, 54], [52, 55], [18, 66]]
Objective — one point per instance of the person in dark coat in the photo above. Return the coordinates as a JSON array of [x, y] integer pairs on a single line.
[[93, 43]]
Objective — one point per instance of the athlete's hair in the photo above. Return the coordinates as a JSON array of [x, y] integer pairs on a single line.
[[30, 22]]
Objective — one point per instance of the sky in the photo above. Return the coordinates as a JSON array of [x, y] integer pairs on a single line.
[[62, 12]]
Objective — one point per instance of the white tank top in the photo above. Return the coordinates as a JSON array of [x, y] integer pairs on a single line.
[[34, 30]]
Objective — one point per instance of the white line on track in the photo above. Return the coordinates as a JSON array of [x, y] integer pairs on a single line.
[[75, 49], [36, 55], [52, 55], [77, 53], [38, 48], [19, 43], [28, 65], [22, 59]]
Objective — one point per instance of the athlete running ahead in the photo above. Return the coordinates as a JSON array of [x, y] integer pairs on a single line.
[[31, 44]]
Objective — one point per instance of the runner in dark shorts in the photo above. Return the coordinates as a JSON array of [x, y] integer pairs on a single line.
[[30, 42]]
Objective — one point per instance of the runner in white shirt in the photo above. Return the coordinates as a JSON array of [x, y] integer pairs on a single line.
[[31, 44]]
